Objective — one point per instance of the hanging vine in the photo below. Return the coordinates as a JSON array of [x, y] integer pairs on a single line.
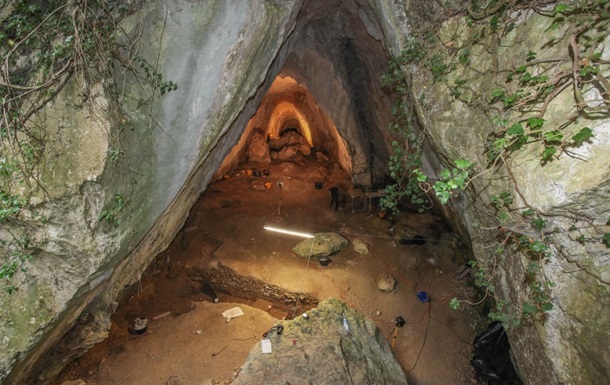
[[44, 46], [517, 102]]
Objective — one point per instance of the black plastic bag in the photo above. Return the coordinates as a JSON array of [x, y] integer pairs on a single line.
[[491, 358]]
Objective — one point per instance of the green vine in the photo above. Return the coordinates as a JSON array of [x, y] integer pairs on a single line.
[[406, 150], [43, 46], [518, 104]]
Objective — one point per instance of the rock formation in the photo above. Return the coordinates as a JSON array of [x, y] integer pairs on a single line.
[[120, 177], [321, 245], [331, 345]]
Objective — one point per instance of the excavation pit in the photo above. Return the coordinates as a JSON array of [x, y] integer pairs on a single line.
[[224, 251]]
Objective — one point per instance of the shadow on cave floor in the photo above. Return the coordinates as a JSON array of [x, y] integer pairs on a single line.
[[225, 232]]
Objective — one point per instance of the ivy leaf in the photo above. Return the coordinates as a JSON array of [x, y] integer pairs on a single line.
[[443, 196], [421, 177], [462, 163], [444, 174], [499, 144], [497, 93], [553, 136], [546, 306], [538, 247], [553, 26], [516, 129], [561, 7], [583, 135], [538, 223], [528, 213], [528, 308], [535, 122], [531, 55], [454, 303], [548, 153]]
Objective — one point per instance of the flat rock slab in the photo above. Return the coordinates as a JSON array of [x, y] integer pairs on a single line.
[[322, 245], [322, 348]]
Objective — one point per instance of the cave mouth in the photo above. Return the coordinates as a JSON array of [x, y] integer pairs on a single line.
[[289, 125], [320, 123]]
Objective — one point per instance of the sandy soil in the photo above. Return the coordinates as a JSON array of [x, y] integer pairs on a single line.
[[226, 226]]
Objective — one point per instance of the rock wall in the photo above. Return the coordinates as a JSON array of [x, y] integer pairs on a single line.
[[568, 344], [219, 54]]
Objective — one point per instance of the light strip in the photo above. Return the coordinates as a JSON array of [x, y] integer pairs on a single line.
[[289, 232]]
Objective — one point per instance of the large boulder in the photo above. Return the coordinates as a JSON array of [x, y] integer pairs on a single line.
[[332, 345], [321, 245]]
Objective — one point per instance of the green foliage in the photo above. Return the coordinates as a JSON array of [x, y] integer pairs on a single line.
[[607, 239], [520, 98], [585, 134], [406, 150], [115, 153], [155, 78], [111, 215], [395, 78], [14, 262], [44, 44], [449, 182], [505, 314], [437, 67], [454, 303], [538, 223], [10, 205]]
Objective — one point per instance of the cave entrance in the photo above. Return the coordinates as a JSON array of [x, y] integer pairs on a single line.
[[321, 123]]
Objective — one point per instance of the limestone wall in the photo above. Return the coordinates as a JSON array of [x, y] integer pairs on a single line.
[[218, 52], [569, 344]]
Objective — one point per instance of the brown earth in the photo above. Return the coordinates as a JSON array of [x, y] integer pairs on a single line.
[[190, 343]]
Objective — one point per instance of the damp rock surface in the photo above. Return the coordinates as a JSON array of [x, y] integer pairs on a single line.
[[324, 349], [322, 245]]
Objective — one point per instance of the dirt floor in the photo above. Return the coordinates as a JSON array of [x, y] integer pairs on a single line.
[[188, 341]]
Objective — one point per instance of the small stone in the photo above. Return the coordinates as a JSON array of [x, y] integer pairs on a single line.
[[386, 283], [360, 247], [378, 313], [198, 332]]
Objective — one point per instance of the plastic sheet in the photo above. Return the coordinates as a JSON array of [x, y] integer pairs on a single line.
[[491, 358]]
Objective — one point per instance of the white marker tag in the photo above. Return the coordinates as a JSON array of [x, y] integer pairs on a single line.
[[266, 346]]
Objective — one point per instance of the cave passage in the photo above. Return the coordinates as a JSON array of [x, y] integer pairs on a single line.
[[289, 125]]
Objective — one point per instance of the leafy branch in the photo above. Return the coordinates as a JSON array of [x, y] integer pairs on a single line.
[[518, 103], [44, 46]]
